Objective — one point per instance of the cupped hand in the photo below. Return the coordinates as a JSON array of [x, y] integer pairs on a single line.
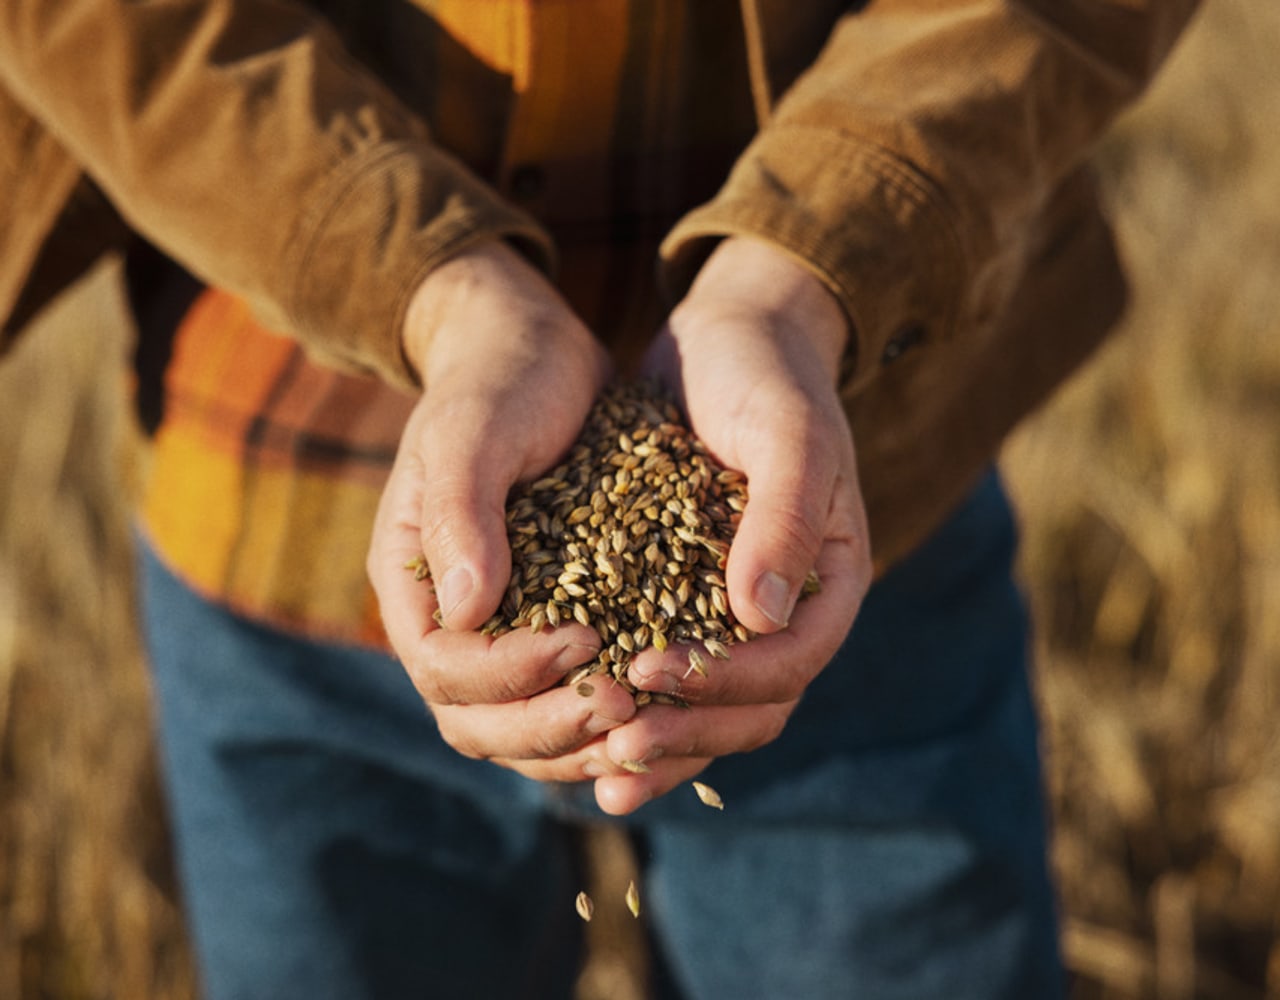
[[509, 374], [753, 354]]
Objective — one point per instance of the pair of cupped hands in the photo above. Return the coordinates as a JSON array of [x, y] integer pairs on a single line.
[[752, 355]]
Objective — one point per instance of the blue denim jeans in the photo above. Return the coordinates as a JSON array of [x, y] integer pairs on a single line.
[[890, 844]]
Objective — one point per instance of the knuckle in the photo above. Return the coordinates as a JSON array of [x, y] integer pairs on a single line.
[[793, 682], [541, 741], [777, 719], [797, 528], [546, 748], [543, 746], [513, 685], [434, 690], [459, 740], [772, 721], [437, 528]]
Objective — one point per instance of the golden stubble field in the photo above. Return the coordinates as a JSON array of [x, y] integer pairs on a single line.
[[1150, 496]]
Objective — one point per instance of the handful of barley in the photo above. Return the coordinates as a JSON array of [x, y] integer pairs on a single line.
[[629, 536]]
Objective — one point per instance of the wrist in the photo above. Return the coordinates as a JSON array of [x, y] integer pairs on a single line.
[[479, 271], [749, 275]]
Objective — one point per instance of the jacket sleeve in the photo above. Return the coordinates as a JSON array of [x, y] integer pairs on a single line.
[[907, 164], [239, 136]]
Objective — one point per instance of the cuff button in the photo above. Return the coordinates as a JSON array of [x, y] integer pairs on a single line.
[[906, 338], [527, 182]]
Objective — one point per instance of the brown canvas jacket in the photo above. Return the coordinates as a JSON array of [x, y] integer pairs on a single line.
[[926, 158]]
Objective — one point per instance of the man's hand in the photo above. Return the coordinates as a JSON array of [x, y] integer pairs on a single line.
[[509, 375], [753, 352]]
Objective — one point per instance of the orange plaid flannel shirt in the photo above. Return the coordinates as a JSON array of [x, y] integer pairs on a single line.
[[267, 465]]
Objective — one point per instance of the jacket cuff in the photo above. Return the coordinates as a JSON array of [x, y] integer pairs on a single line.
[[873, 230], [386, 220]]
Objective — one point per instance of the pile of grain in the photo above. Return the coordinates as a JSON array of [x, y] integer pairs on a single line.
[[628, 535]]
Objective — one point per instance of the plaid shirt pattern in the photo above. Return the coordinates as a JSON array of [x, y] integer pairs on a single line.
[[267, 465]]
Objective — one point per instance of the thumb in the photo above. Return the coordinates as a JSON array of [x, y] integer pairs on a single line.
[[463, 525], [782, 529]]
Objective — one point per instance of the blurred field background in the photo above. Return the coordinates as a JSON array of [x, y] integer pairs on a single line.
[[1150, 495]]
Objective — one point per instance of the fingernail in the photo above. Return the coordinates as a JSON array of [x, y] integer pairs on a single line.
[[455, 588], [640, 765], [773, 598], [600, 724], [574, 655], [656, 680], [594, 769]]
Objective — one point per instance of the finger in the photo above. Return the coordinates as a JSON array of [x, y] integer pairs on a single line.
[[468, 668], [590, 762], [621, 794], [405, 602], [769, 669], [663, 732], [546, 726], [587, 763]]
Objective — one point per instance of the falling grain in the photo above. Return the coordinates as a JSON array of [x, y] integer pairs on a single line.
[[708, 795]]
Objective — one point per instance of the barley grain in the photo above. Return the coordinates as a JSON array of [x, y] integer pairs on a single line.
[[708, 795]]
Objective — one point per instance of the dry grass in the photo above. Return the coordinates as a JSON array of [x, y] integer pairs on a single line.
[[1151, 495], [86, 903]]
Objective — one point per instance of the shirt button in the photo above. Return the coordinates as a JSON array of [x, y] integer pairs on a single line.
[[906, 338], [527, 182]]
